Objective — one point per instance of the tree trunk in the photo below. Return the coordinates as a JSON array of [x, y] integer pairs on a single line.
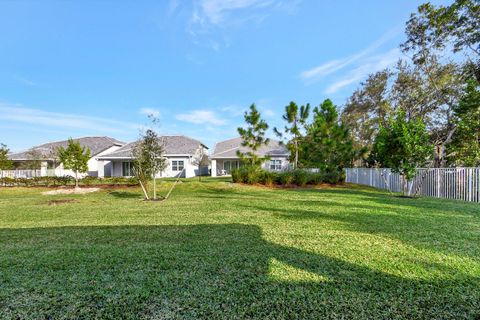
[[154, 187], [76, 179]]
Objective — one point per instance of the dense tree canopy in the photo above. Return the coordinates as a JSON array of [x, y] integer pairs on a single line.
[[327, 144]]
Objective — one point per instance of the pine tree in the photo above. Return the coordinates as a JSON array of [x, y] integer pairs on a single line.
[[253, 137]]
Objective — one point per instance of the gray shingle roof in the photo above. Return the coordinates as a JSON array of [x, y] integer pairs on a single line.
[[229, 148], [172, 144], [45, 151]]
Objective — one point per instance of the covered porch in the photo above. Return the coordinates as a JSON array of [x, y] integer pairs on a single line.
[[224, 167]]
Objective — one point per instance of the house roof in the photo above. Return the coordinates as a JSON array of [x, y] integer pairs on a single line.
[[45, 151], [174, 145], [229, 148]]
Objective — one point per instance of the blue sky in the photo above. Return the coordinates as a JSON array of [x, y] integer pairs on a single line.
[[98, 67]]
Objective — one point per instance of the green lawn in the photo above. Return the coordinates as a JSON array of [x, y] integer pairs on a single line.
[[217, 250]]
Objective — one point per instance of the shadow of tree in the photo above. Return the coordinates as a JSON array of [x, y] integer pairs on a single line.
[[125, 194], [207, 272]]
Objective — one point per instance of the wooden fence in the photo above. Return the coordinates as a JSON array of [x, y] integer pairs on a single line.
[[449, 183]]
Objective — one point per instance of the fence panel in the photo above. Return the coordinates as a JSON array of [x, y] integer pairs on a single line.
[[450, 183]]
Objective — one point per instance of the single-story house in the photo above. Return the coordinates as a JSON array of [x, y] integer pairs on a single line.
[[182, 154], [225, 157], [44, 157]]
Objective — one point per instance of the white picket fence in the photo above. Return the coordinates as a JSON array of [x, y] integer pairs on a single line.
[[449, 183]]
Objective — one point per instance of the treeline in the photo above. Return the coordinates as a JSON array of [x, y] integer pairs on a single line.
[[423, 112]]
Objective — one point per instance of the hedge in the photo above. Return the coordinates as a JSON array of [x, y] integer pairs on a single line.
[[299, 177], [65, 181]]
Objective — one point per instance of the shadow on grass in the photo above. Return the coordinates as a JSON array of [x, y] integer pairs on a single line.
[[204, 271], [125, 195]]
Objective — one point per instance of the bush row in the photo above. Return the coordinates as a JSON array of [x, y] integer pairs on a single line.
[[252, 175], [65, 181]]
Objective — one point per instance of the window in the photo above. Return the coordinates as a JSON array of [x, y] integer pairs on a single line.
[[177, 165], [127, 169], [275, 164]]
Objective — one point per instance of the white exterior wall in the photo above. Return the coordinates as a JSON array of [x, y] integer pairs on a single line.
[[190, 169]]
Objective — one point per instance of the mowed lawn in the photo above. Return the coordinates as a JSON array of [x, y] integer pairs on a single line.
[[216, 250]]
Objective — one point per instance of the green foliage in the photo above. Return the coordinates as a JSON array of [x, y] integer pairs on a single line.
[[268, 178], [441, 26], [149, 159], [5, 162], [327, 144], [295, 119], [66, 181], [403, 145], [253, 137], [464, 149], [285, 178], [300, 177], [74, 157]]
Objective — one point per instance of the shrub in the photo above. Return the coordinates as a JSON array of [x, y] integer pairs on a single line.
[[285, 178], [300, 177], [268, 178], [333, 177], [315, 178]]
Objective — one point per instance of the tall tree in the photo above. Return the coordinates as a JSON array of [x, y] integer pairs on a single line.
[[253, 137], [368, 108], [5, 162], [74, 157], [464, 149], [402, 145], [296, 119], [327, 144]]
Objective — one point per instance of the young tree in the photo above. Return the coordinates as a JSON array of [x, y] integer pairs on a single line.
[[253, 137], [296, 119], [148, 160], [402, 145], [5, 162], [327, 144], [465, 146], [74, 157]]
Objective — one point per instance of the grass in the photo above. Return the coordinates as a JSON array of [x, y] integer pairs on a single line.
[[218, 250]]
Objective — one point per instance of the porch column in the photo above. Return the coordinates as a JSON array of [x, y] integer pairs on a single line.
[[101, 168], [43, 168], [214, 168]]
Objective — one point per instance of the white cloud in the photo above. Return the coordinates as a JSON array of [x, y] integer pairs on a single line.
[[201, 117], [371, 65], [26, 81], [234, 110], [150, 111], [215, 12], [51, 120], [332, 66], [212, 18]]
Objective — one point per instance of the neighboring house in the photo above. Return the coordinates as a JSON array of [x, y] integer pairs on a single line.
[[45, 158], [225, 157], [180, 152]]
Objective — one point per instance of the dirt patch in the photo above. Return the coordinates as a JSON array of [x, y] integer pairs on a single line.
[[61, 201], [71, 191]]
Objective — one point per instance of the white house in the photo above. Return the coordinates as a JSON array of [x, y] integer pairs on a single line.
[[181, 152], [46, 156], [225, 157]]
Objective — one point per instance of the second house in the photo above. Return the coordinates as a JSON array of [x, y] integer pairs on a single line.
[[182, 154]]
